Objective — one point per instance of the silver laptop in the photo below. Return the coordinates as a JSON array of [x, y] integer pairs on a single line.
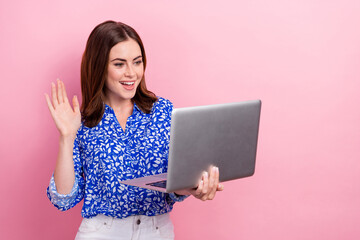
[[222, 135]]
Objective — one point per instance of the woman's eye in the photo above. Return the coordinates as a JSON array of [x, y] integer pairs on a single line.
[[119, 64], [138, 62]]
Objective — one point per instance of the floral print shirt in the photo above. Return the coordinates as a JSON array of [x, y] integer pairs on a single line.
[[105, 155]]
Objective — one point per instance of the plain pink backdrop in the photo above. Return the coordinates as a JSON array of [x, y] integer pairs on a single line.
[[301, 57]]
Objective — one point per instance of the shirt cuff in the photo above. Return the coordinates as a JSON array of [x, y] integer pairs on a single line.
[[178, 198], [61, 200]]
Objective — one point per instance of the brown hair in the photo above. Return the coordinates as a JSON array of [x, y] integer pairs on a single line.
[[94, 70]]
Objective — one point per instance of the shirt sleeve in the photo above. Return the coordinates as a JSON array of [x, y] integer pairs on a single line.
[[65, 202], [177, 198]]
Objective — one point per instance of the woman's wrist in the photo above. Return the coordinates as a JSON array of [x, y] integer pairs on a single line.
[[69, 138], [182, 193]]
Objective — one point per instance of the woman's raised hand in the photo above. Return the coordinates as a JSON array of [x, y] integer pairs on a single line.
[[67, 118]]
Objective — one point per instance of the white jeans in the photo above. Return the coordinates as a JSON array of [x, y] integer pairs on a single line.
[[139, 227]]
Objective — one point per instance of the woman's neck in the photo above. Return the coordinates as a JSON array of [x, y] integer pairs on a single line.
[[122, 107], [122, 110]]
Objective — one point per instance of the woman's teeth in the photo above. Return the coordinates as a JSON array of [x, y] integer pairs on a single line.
[[127, 83]]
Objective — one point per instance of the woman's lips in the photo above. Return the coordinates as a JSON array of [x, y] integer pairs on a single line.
[[128, 85]]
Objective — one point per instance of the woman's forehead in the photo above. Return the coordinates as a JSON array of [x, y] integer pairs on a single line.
[[128, 49]]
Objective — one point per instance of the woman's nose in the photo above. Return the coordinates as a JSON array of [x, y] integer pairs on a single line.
[[129, 72]]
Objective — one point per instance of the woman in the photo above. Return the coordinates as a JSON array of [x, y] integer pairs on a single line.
[[122, 132]]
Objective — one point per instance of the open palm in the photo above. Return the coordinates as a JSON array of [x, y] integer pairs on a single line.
[[67, 118]]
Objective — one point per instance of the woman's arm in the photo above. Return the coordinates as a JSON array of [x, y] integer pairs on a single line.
[[67, 121]]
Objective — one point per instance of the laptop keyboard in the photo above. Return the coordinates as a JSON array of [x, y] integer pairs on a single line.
[[160, 184]]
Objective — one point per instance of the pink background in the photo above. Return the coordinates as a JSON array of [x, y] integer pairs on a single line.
[[301, 57]]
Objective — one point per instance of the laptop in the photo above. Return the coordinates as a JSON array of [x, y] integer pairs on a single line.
[[222, 135]]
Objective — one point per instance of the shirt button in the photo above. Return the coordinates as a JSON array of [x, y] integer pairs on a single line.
[[138, 222]]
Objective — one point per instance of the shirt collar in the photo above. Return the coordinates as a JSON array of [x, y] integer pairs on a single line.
[[136, 108]]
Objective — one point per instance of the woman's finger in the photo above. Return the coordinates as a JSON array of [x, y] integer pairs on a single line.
[[64, 92], [60, 92], [76, 104], [50, 106], [197, 192], [211, 182], [54, 95], [217, 178], [214, 181], [212, 178], [205, 189]]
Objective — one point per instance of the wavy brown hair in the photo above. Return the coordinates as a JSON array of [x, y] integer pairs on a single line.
[[94, 71]]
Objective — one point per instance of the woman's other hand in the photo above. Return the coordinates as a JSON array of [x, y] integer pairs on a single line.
[[207, 187], [67, 118]]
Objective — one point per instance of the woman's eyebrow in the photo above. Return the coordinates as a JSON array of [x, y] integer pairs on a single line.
[[119, 59], [124, 60]]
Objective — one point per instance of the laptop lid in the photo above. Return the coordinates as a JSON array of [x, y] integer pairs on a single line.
[[222, 135]]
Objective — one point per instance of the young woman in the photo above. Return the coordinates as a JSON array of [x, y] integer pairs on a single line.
[[121, 132]]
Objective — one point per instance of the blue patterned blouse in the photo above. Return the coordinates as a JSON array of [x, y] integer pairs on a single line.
[[105, 155]]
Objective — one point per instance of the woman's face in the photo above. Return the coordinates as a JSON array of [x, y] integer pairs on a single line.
[[125, 71]]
